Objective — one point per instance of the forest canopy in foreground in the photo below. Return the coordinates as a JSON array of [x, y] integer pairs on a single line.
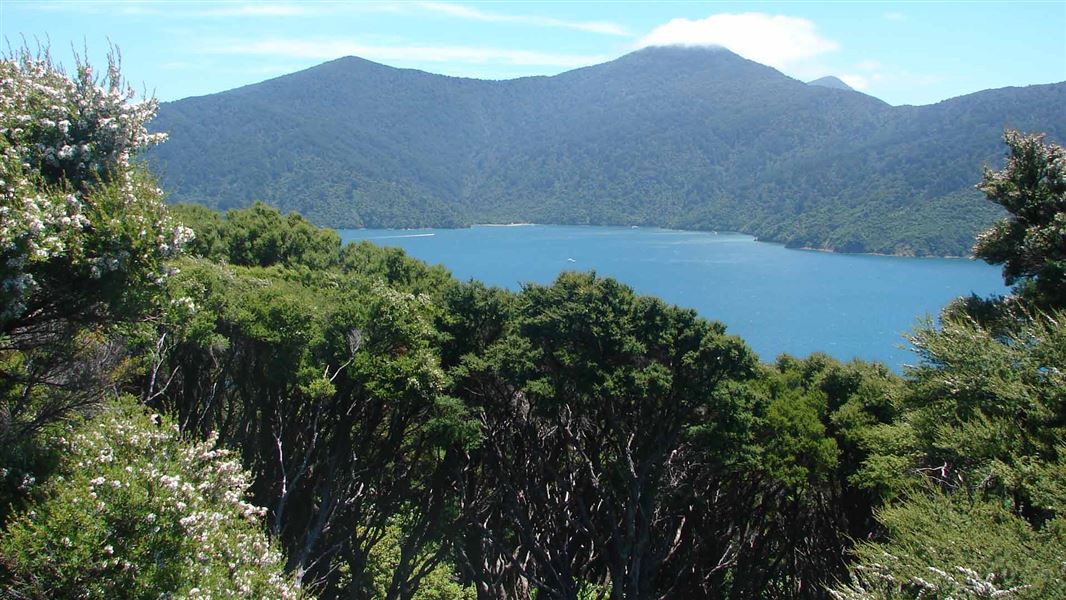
[[255, 411]]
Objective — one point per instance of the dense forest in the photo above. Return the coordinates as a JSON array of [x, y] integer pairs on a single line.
[[688, 138], [197, 404]]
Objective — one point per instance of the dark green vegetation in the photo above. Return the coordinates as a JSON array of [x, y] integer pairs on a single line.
[[269, 414], [678, 137]]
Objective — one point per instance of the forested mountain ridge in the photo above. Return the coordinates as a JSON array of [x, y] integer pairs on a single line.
[[679, 137]]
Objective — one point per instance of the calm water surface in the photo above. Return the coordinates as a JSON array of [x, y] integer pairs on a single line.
[[779, 300]]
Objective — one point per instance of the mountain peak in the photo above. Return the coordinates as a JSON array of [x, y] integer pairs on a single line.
[[831, 82], [688, 53], [693, 60]]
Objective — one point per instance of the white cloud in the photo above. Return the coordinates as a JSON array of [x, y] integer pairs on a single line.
[[857, 82], [333, 48], [776, 40], [894, 16], [874, 78], [475, 14]]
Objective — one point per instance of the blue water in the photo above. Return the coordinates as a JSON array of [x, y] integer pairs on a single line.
[[779, 300]]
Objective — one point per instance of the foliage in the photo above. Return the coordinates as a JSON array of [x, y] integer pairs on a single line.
[[1031, 242], [82, 229], [943, 546], [619, 453], [393, 266], [439, 584], [260, 236], [543, 400], [134, 512], [329, 386], [797, 451], [974, 460], [207, 226], [987, 412], [84, 241], [797, 501]]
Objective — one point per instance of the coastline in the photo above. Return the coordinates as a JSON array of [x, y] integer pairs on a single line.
[[895, 255], [756, 238]]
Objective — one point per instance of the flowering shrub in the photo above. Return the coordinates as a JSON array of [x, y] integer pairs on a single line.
[[84, 238], [134, 512], [77, 218]]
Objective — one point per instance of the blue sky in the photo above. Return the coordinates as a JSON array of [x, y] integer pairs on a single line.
[[902, 52]]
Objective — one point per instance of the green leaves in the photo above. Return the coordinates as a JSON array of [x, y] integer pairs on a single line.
[[981, 399], [1031, 242], [943, 546], [798, 452], [599, 413], [259, 236]]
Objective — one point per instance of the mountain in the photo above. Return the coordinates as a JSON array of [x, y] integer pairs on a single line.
[[831, 83], [668, 136]]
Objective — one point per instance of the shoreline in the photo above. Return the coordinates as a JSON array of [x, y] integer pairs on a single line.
[[831, 251], [755, 238]]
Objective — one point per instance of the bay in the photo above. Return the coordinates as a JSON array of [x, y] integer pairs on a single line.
[[779, 300]]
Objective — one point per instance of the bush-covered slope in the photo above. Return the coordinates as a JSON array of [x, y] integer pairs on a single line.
[[680, 137]]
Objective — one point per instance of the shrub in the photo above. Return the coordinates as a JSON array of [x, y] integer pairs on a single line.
[[135, 512]]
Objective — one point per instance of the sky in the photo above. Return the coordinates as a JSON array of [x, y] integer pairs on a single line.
[[902, 52]]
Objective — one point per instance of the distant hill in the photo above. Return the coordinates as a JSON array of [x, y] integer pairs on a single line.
[[832, 83], [679, 137]]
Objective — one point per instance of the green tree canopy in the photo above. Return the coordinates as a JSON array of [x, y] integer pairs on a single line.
[[1031, 242]]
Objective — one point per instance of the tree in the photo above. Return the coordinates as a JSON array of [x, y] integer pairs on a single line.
[[84, 245], [1031, 242], [986, 413], [591, 404], [261, 236], [329, 387], [784, 519], [981, 421]]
